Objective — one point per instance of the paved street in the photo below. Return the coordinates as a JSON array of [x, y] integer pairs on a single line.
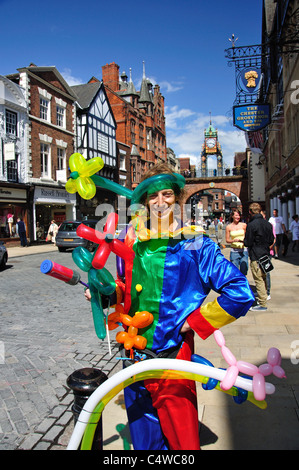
[[47, 333]]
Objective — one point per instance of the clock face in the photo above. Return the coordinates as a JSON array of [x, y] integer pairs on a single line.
[[211, 143]]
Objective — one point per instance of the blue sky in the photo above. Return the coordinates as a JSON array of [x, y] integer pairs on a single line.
[[181, 42]]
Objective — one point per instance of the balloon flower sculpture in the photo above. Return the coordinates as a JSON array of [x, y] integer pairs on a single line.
[[84, 181], [130, 339], [100, 281], [106, 241]]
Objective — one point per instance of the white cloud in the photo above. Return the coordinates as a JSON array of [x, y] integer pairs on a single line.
[[174, 116], [165, 86], [70, 79], [185, 135], [169, 87]]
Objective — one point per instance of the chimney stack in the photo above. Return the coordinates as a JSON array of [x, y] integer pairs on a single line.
[[110, 75]]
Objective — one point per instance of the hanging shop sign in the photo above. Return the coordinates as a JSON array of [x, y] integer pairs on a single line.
[[252, 117], [250, 79], [9, 151]]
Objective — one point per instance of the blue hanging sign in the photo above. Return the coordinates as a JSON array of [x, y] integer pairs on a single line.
[[250, 80], [252, 117]]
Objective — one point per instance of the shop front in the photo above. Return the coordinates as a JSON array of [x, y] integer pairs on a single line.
[[51, 204], [284, 196], [13, 204]]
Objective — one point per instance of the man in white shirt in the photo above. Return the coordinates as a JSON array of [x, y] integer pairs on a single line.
[[280, 228]]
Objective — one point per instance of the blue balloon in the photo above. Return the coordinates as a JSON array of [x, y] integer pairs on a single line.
[[241, 397], [211, 383]]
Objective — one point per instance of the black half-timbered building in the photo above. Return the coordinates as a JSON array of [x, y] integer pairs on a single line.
[[96, 137]]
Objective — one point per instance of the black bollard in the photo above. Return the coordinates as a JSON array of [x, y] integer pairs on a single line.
[[83, 382]]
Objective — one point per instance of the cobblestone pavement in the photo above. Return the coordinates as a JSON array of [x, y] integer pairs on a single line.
[[46, 333]]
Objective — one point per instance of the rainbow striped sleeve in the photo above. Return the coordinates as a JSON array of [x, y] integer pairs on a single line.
[[235, 296]]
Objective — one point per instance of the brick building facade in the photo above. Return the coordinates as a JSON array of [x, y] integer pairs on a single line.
[[140, 121], [50, 142]]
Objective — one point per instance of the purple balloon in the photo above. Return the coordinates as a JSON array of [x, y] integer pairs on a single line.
[[120, 263]]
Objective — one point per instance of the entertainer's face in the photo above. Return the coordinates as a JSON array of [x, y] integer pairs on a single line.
[[161, 203]]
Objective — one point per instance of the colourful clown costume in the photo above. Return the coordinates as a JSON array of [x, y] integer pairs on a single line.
[[174, 276]]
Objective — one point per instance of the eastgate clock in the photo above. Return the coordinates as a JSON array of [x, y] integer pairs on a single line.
[[211, 143]]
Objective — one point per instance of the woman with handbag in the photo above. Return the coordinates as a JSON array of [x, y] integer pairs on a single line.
[[52, 232]]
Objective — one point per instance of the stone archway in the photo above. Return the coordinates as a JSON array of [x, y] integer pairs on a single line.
[[235, 184]]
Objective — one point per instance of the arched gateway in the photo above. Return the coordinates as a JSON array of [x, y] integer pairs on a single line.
[[237, 185]]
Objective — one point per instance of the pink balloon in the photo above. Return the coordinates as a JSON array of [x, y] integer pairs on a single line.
[[219, 338], [247, 368], [274, 357], [230, 378], [266, 369], [258, 386], [228, 356], [279, 372]]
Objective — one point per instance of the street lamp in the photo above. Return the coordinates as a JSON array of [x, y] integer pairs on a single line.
[[261, 161]]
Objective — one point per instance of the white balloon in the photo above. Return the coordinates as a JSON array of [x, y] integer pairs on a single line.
[[144, 366]]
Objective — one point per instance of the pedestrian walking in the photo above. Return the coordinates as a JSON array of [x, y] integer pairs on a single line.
[[294, 229], [280, 230], [258, 238], [235, 234], [268, 275], [21, 231], [52, 232]]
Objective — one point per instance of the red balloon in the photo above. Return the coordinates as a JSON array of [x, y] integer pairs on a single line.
[[106, 242], [90, 234]]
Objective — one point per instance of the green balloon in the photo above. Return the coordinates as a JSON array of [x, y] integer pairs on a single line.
[[112, 186]]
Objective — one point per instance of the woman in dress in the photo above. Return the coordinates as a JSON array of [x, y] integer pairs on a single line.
[[52, 232], [235, 233]]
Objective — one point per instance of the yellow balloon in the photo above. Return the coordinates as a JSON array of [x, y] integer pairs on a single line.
[[76, 162], [86, 187], [82, 170], [92, 166], [71, 186], [85, 167]]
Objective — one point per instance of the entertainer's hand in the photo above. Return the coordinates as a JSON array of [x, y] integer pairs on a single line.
[[186, 327], [87, 294]]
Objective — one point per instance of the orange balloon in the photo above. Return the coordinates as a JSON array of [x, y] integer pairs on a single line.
[[130, 338], [113, 320], [140, 342], [132, 331], [142, 319], [137, 341], [121, 336], [126, 319]]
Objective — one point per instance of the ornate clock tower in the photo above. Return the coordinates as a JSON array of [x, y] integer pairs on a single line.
[[211, 146]]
